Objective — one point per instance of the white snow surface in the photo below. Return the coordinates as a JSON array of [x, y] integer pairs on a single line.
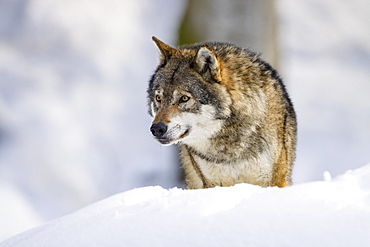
[[323, 213]]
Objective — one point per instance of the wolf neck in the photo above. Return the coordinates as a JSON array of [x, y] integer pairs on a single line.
[[204, 155], [232, 143], [213, 149]]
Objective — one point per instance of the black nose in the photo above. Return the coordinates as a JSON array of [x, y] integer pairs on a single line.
[[158, 129]]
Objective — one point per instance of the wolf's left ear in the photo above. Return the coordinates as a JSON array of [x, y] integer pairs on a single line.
[[165, 50], [207, 64]]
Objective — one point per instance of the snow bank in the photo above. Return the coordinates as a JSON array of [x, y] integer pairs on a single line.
[[325, 213]]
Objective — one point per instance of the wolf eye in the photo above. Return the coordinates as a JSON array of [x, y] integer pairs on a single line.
[[184, 99], [158, 98]]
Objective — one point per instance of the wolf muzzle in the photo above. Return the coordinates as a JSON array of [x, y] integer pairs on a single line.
[[158, 129]]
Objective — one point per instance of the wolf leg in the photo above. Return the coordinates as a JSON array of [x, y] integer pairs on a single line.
[[281, 176], [194, 177]]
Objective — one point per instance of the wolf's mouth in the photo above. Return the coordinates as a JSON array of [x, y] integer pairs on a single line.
[[169, 141], [186, 133]]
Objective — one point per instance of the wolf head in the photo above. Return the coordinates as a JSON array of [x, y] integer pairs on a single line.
[[186, 94]]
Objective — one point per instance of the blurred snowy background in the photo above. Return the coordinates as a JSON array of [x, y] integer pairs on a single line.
[[73, 75]]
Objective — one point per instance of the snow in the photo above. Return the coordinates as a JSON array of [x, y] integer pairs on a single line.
[[323, 213], [23, 217]]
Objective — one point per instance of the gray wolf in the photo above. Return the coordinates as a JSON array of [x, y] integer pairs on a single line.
[[229, 113]]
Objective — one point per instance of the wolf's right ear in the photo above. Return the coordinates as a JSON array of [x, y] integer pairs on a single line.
[[165, 50], [207, 64]]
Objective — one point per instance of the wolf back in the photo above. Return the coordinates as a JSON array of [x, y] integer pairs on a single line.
[[229, 113]]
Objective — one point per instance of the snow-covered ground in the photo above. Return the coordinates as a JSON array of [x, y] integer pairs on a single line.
[[74, 123], [324, 213]]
